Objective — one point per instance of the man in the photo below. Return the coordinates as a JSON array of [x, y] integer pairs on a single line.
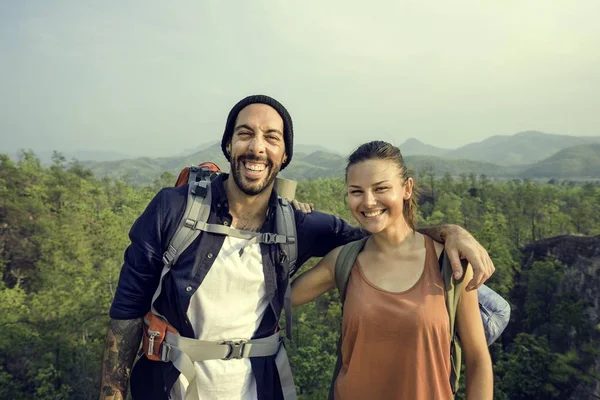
[[222, 288]]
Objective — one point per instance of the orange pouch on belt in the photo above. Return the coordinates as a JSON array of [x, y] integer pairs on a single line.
[[155, 331]]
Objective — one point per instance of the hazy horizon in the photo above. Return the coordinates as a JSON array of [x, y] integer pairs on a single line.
[[148, 78]]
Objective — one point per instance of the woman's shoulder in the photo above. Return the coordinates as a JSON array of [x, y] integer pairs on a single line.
[[439, 247], [352, 251]]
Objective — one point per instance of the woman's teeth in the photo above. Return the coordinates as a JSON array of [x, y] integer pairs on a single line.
[[373, 213]]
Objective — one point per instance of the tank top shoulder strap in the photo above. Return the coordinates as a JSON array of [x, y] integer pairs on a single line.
[[430, 249], [431, 258]]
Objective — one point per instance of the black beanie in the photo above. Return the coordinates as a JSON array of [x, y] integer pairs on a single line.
[[288, 128]]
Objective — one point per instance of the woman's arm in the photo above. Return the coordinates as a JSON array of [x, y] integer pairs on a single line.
[[316, 281], [478, 363]]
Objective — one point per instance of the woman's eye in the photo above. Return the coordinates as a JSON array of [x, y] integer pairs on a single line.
[[355, 192], [381, 189]]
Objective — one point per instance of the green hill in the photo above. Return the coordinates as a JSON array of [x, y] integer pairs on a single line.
[[577, 161], [441, 166], [146, 170], [581, 161], [519, 149], [319, 164], [412, 147]]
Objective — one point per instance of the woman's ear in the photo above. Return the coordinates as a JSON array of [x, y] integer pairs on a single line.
[[408, 188]]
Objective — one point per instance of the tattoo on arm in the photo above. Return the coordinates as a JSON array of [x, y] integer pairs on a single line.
[[122, 342]]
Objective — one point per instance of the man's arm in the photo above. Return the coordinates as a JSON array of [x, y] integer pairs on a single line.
[[138, 281], [122, 342], [319, 233], [461, 244]]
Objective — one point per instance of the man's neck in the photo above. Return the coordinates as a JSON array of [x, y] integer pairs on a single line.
[[245, 206]]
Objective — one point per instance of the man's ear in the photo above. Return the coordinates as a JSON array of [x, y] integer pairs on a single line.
[[284, 158]]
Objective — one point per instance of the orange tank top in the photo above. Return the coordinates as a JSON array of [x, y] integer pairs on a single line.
[[396, 345]]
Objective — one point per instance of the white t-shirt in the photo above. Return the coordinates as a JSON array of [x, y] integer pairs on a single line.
[[228, 305]]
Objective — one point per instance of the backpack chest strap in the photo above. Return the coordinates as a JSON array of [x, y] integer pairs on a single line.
[[252, 237]]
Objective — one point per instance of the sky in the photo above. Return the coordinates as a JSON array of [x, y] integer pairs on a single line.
[[154, 77]]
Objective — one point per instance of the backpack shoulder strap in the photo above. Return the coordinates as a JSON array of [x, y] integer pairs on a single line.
[[453, 289], [197, 208], [192, 174], [344, 263], [285, 225]]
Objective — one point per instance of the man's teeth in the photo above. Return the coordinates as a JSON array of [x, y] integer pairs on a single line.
[[373, 214], [255, 167]]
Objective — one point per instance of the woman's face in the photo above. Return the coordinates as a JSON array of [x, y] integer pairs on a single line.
[[376, 194]]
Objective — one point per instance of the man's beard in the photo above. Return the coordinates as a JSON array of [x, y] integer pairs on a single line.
[[256, 187]]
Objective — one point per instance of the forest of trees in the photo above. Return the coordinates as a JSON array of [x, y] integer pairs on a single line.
[[63, 233]]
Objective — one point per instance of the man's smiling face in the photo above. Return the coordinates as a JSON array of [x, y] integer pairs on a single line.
[[257, 148]]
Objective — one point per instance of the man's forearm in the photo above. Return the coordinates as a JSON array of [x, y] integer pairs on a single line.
[[439, 233], [122, 342]]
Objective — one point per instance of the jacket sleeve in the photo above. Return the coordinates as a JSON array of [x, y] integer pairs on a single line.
[[142, 263], [319, 233]]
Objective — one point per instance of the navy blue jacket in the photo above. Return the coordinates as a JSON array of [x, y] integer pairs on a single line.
[[318, 233]]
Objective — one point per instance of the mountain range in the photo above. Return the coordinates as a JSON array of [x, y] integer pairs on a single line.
[[522, 148], [530, 154]]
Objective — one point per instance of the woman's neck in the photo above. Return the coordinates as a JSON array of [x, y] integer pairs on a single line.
[[394, 239]]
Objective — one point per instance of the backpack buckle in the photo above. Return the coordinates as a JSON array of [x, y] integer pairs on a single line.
[[268, 238], [236, 349], [169, 255], [273, 238], [199, 190]]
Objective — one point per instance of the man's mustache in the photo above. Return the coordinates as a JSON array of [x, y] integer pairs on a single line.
[[252, 157]]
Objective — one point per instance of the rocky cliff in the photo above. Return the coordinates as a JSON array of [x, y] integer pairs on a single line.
[[580, 259]]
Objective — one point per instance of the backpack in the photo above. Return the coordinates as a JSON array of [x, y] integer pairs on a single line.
[[494, 310], [202, 172], [162, 342], [195, 219], [196, 215]]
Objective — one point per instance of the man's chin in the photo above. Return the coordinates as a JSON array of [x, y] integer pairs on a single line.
[[252, 187]]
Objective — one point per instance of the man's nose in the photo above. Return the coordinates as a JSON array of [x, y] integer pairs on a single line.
[[257, 144]]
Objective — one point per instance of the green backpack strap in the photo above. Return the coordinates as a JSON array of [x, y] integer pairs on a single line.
[[344, 263], [453, 289]]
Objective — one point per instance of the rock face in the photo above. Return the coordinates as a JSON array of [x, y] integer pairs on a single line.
[[581, 257]]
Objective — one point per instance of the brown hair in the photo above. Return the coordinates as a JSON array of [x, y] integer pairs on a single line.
[[380, 150]]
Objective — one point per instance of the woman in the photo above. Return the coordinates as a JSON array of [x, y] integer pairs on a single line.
[[395, 330]]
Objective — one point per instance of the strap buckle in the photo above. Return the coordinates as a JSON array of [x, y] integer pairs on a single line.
[[165, 350], [236, 349], [169, 255], [273, 238]]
